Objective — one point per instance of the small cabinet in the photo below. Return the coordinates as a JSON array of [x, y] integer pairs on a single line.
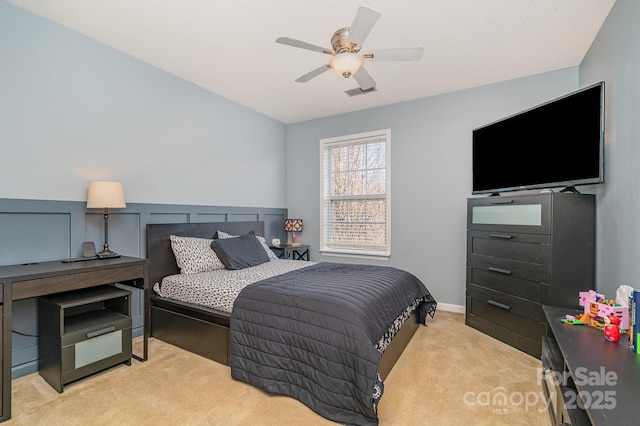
[[83, 332], [300, 252], [525, 251]]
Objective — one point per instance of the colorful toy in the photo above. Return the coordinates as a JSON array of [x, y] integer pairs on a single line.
[[599, 308], [611, 329], [579, 319]]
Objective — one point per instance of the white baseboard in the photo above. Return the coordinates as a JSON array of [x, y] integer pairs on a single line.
[[448, 307]]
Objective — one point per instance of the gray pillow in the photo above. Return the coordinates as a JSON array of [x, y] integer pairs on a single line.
[[241, 252], [263, 241]]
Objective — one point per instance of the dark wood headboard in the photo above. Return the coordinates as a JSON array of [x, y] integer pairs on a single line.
[[162, 262]]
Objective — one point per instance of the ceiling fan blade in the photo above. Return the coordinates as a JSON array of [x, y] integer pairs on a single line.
[[365, 81], [362, 25], [311, 74], [401, 54], [303, 45]]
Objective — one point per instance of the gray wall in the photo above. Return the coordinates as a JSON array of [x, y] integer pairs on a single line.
[[430, 171], [615, 58], [38, 231], [73, 110]]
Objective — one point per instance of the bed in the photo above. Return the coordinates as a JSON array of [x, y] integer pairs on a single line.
[[240, 342]]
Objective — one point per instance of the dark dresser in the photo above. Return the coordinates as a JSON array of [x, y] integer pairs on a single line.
[[523, 252]]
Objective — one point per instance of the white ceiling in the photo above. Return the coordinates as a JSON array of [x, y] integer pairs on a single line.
[[228, 46]]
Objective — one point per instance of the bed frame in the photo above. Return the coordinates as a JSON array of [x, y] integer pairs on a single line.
[[185, 325]]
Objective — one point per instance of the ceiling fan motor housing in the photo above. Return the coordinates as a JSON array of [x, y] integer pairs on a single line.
[[341, 44]]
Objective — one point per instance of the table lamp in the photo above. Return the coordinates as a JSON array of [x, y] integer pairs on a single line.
[[106, 195], [293, 226]]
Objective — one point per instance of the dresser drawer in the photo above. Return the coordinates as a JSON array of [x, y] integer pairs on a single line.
[[528, 285], [507, 302], [497, 331], [508, 320], [528, 252], [528, 214]]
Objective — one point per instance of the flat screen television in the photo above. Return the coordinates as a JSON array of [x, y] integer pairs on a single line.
[[557, 144]]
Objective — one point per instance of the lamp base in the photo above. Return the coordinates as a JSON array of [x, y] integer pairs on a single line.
[[292, 244], [107, 254]]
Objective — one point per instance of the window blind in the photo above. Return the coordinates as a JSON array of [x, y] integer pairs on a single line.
[[355, 194]]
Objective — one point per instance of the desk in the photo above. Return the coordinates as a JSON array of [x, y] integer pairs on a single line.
[[39, 279]]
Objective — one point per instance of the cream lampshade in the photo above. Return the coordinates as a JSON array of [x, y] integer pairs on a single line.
[[106, 195]]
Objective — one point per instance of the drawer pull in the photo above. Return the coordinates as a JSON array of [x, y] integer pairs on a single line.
[[499, 305], [501, 202], [502, 236], [500, 271], [101, 332]]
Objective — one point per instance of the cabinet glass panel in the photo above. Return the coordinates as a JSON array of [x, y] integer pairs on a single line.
[[98, 348], [526, 214]]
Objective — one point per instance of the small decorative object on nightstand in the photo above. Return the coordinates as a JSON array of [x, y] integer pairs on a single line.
[[293, 226]]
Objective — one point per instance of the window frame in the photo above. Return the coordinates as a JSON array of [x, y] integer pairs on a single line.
[[340, 141]]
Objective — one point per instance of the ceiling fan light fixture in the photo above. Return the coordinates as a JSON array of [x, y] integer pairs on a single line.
[[346, 64]]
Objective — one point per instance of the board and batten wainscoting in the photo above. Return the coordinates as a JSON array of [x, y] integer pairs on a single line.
[[41, 230]]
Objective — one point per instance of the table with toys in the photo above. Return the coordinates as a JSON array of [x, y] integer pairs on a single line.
[[601, 313]]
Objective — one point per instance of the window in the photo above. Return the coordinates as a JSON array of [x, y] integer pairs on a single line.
[[355, 195]]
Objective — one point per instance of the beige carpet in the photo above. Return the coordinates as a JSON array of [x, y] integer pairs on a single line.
[[450, 374]]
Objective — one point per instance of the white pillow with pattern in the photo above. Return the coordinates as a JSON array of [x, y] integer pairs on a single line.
[[194, 255]]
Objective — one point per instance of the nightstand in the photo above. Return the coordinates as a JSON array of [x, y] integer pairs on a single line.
[[82, 332], [292, 253]]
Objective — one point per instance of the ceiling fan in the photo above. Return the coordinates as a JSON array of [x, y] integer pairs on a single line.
[[347, 59]]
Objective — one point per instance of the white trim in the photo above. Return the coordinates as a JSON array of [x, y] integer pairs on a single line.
[[447, 307], [355, 138], [365, 135], [354, 255]]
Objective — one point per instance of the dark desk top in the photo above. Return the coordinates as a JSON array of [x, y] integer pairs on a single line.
[[57, 267], [599, 366]]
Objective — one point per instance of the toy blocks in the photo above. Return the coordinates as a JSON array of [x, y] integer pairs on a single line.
[[595, 305]]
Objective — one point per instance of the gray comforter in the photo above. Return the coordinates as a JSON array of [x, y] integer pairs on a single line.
[[317, 333]]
